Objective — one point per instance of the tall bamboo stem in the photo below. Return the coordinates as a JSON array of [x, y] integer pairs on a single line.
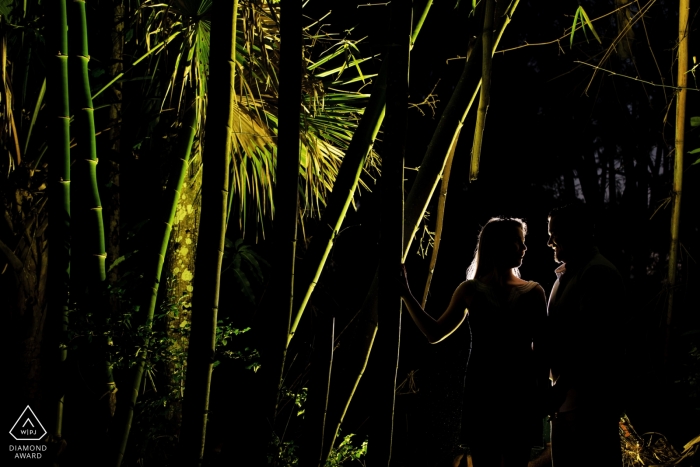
[[484, 98], [59, 206], [683, 31], [86, 162], [442, 201]]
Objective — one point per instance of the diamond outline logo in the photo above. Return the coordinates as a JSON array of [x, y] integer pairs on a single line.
[[28, 418]]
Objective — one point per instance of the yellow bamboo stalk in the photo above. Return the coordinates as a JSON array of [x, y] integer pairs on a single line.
[[484, 99], [683, 14]]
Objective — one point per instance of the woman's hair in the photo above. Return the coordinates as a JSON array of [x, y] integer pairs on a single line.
[[492, 243]]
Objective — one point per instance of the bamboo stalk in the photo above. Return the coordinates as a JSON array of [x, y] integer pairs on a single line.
[[484, 98], [677, 189], [60, 173], [86, 161], [439, 221], [172, 196], [210, 247]]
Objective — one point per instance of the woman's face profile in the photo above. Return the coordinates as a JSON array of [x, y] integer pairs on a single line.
[[518, 249], [512, 251]]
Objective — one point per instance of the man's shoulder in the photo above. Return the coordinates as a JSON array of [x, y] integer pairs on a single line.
[[601, 268]]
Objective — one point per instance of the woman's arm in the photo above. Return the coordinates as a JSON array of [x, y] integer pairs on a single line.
[[437, 330]]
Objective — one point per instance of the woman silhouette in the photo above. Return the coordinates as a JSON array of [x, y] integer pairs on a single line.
[[506, 375]]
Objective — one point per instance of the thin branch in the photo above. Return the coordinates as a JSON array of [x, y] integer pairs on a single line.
[[640, 14], [636, 79], [567, 33]]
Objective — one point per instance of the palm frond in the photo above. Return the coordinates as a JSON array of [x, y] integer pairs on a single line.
[[331, 107]]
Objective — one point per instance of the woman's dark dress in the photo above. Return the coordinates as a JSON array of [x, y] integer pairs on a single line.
[[500, 412]]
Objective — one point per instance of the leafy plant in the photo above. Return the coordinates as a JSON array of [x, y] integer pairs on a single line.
[[346, 451]]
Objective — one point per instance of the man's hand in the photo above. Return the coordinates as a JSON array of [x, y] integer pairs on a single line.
[[557, 396]]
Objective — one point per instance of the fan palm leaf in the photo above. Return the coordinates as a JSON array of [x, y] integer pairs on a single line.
[[330, 111]]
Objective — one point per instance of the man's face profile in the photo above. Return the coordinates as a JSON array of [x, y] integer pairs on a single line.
[[555, 241]]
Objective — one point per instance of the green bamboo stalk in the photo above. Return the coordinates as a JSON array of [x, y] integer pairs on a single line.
[[60, 175], [484, 98], [677, 189], [86, 161], [445, 135], [439, 220], [172, 196], [212, 231], [348, 177]]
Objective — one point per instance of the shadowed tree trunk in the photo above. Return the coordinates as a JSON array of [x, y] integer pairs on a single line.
[[215, 185], [112, 207], [279, 298], [388, 337]]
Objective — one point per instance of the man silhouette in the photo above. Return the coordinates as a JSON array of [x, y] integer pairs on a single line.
[[585, 313]]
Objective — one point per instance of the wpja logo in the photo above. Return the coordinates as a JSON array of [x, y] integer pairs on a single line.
[[28, 428]]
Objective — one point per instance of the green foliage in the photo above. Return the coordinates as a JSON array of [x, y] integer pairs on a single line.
[[695, 122], [224, 331], [285, 452], [346, 451], [282, 452]]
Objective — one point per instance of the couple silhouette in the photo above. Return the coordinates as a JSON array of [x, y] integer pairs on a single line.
[[532, 356]]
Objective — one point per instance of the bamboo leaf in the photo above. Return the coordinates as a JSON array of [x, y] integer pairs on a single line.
[[37, 107], [694, 121], [573, 27], [589, 23]]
